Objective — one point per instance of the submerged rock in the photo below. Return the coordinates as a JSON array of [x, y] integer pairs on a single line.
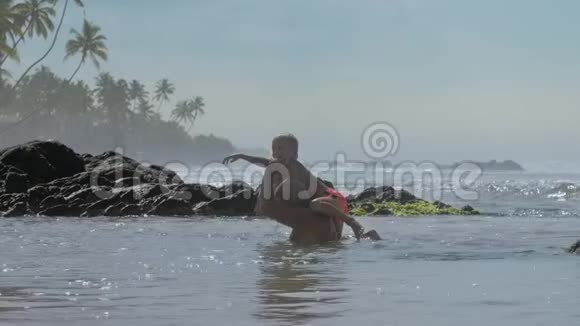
[[575, 248]]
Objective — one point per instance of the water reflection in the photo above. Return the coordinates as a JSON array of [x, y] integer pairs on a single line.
[[299, 284]]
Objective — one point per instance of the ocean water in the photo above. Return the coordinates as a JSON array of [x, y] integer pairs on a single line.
[[505, 267]]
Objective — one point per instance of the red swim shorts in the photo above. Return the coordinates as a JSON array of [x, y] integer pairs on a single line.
[[341, 201]]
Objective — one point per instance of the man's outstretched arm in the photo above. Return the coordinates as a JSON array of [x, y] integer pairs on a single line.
[[260, 161]]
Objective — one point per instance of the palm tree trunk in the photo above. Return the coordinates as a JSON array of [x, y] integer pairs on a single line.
[[76, 70], [47, 52]]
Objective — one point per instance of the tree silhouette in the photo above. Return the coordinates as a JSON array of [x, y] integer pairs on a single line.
[[163, 89], [89, 44]]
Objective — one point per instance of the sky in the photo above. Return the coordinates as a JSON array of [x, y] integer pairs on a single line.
[[457, 79]]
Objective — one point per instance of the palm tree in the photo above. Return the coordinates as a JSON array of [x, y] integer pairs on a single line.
[[4, 87], [188, 111], [162, 92], [32, 17], [36, 18], [8, 30], [183, 112], [89, 43], [197, 108], [137, 92], [112, 97], [53, 2], [145, 109]]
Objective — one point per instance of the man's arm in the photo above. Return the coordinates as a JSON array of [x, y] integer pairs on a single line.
[[260, 161]]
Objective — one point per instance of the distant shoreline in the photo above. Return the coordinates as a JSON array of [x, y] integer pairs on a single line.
[[493, 165]]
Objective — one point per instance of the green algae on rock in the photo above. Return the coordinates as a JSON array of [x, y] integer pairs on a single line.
[[409, 209], [387, 201]]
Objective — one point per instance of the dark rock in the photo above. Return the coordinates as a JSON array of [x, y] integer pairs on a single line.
[[52, 201], [61, 210], [195, 193], [404, 197], [442, 205], [70, 189], [386, 193], [467, 208], [137, 193], [127, 182], [88, 195], [242, 202], [381, 194], [575, 248], [113, 166], [43, 161], [374, 194], [36, 195], [99, 207], [231, 189], [172, 207], [368, 207], [86, 157], [19, 209], [82, 179], [131, 210], [382, 211], [16, 183], [7, 201], [53, 190], [3, 169], [114, 210]]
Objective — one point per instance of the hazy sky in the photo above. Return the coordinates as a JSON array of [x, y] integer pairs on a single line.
[[458, 79]]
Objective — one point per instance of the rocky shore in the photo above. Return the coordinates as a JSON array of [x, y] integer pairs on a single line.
[[43, 178]]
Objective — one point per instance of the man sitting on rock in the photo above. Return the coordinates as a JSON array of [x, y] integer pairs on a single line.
[[291, 195]]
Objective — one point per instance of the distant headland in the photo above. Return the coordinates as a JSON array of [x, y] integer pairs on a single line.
[[493, 165]]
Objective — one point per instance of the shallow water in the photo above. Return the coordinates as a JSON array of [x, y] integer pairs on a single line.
[[502, 268]]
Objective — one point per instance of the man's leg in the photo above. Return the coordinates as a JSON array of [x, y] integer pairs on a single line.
[[327, 206], [308, 226]]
